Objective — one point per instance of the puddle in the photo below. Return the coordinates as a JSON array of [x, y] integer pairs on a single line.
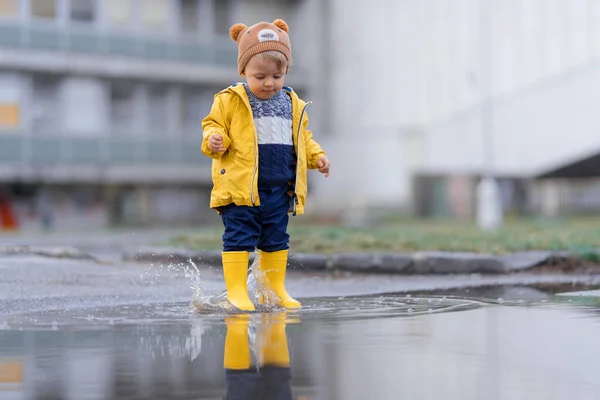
[[533, 345]]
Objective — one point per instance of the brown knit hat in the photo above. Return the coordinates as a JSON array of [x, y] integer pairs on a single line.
[[258, 38]]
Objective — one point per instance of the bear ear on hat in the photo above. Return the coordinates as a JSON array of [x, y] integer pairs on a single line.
[[235, 31], [281, 24]]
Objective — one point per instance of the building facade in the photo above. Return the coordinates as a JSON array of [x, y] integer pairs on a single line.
[[101, 103]]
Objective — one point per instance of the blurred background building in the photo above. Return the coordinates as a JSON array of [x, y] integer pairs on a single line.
[[427, 95], [101, 103]]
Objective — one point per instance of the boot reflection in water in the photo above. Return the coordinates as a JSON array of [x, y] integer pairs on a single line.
[[270, 379]]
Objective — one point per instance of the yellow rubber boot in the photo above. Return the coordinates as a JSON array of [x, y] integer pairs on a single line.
[[235, 273], [237, 349], [273, 269], [275, 350]]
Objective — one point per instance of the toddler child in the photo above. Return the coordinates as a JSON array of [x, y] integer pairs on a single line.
[[257, 134]]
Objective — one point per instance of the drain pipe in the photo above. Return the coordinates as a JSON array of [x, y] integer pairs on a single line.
[[489, 203]]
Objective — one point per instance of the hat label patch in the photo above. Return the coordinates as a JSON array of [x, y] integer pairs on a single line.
[[266, 35]]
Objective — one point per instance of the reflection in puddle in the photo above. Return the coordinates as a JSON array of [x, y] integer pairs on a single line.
[[268, 376]]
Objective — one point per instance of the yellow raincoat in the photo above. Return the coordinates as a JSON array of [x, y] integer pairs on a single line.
[[235, 171]]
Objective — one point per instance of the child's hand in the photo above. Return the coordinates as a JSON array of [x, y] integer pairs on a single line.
[[215, 144], [323, 165]]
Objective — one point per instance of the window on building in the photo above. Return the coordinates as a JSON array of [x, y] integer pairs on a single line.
[[222, 10], [9, 115], [119, 13], [122, 106], [155, 14], [83, 10], [9, 7], [11, 89], [268, 10], [157, 108], [188, 16], [191, 119], [43, 8], [195, 105], [45, 103]]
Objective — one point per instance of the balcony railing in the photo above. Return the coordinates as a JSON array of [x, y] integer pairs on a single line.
[[21, 149], [90, 40]]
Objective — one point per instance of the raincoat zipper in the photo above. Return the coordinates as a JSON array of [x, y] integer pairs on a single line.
[[295, 196], [255, 165]]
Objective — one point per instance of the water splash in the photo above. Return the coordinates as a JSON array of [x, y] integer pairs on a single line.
[[258, 291], [202, 301]]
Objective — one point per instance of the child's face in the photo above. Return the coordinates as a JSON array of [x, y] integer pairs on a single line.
[[264, 77]]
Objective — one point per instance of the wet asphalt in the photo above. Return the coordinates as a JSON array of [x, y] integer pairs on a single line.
[[85, 329]]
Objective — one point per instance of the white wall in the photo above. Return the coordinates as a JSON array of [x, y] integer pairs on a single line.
[[430, 50], [535, 130]]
